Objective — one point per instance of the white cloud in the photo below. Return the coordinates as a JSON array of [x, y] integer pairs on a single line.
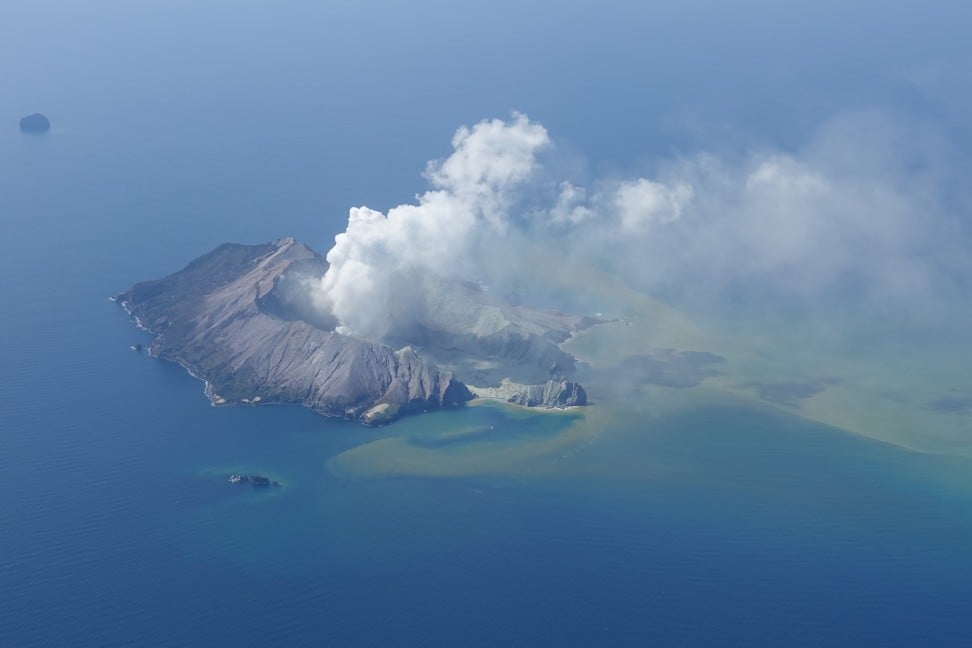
[[642, 202], [852, 212], [376, 262], [488, 161], [570, 208]]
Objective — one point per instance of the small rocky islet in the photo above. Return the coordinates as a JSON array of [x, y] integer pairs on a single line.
[[35, 123], [256, 481]]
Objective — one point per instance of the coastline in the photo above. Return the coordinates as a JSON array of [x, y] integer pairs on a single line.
[[214, 399], [482, 395], [481, 400]]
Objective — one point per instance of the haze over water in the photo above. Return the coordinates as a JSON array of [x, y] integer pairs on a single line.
[[661, 516]]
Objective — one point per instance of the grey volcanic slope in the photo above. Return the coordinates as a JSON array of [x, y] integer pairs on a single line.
[[241, 318], [229, 319]]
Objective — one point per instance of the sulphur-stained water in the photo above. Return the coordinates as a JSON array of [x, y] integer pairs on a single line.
[[907, 385]]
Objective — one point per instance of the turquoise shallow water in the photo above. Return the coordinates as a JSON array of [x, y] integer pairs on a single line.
[[723, 526]]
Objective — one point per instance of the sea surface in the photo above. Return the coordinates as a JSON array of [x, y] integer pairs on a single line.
[[118, 527], [177, 128]]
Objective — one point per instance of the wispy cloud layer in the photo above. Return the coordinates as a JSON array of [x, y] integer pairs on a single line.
[[859, 212]]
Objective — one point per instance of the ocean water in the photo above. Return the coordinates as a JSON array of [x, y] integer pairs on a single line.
[[718, 526], [727, 524]]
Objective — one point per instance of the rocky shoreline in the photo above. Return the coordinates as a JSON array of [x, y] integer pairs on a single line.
[[230, 319], [256, 481]]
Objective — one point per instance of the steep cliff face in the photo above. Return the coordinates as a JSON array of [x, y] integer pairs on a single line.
[[230, 319], [484, 339], [551, 394], [240, 318]]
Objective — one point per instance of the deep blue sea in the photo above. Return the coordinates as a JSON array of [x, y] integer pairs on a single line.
[[119, 529], [172, 135]]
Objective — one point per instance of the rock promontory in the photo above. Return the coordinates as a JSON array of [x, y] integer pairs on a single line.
[[554, 393]]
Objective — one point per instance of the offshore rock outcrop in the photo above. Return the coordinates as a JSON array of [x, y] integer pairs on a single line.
[[241, 318], [36, 123]]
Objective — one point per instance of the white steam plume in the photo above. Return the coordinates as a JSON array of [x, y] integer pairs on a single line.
[[861, 208], [377, 263]]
